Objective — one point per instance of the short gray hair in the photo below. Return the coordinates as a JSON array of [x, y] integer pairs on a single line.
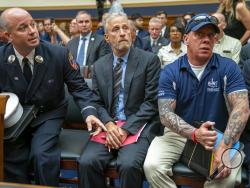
[[110, 17]]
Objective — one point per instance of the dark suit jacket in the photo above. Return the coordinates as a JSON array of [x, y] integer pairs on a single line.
[[166, 33], [140, 95], [97, 48], [142, 45], [244, 55], [46, 89], [161, 42], [142, 33]]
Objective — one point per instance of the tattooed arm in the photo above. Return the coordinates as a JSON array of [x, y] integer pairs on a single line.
[[171, 120], [238, 102]]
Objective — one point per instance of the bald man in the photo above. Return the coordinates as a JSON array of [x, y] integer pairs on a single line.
[[226, 46], [36, 72]]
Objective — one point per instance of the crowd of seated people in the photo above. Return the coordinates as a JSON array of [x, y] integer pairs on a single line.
[[149, 82]]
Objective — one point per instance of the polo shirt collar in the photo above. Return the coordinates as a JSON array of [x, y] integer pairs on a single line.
[[184, 65]]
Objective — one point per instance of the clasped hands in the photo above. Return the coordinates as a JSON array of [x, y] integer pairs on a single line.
[[206, 136], [115, 135]]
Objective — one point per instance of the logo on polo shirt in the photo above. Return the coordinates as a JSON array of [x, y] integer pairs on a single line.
[[212, 86]]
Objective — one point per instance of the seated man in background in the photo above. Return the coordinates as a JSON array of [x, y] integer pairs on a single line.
[[36, 72], [197, 87], [163, 16], [126, 82], [226, 46], [138, 21], [155, 40]]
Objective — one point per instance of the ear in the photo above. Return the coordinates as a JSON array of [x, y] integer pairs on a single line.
[[106, 37], [185, 39], [7, 36]]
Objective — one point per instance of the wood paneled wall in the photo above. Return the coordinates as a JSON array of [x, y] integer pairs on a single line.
[[64, 23]]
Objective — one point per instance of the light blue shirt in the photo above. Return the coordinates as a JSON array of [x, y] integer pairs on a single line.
[[120, 114]]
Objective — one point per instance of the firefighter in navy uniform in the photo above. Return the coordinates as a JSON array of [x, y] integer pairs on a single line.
[[36, 72]]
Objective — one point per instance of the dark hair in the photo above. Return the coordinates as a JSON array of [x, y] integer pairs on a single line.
[[179, 27], [192, 14], [135, 16], [161, 12]]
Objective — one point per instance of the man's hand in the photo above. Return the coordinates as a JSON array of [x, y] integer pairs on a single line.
[[94, 122], [218, 163], [206, 136], [115, 135]]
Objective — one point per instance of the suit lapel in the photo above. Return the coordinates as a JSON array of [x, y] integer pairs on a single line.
[[130, 70], [108, 76], [90, 46], [40, 68], [75, 47]]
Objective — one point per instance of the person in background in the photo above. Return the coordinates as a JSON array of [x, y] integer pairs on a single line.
[[73, 29], [88, 47], [155, 40], [237, 17], [244, 55], [4, 37], [126, 82], [37, 71], [176, 48], [40, 29], [226, 46], [50, 35], [137, 41], [198, 87], [59, 32], [188, 16], [100, 28], [138, 21], [163, 16]]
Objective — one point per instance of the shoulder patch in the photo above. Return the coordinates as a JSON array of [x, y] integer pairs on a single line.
[[72, 61]]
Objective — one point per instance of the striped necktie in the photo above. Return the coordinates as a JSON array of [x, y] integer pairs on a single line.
[[26, 70], [117, 79]]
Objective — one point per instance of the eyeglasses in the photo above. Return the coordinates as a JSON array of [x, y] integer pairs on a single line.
[[199, 19]]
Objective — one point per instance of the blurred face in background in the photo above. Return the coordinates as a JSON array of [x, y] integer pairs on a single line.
[[84, 23], [139, 23], [47, 25], [175, 35], [163, 18], [73, 27], [154, 28], [40, 27]]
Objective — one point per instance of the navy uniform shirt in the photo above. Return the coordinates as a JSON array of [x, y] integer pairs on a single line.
[[201, 100]]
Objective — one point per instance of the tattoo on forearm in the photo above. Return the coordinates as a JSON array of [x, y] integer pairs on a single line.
[[172, 120], [238, 117]]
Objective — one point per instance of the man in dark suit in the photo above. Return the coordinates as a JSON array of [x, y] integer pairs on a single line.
[[130, 97], [36, 72], [88, 47], [163, 16], [155, 40], [138, 21]]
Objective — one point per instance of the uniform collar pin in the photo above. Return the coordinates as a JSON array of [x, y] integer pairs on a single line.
[[11, 59], [39, 59]]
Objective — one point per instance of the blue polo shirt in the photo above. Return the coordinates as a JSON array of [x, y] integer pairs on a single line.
[[201, 100]]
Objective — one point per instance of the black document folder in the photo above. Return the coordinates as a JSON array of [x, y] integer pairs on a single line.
[[197, 158], [29, 113]]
